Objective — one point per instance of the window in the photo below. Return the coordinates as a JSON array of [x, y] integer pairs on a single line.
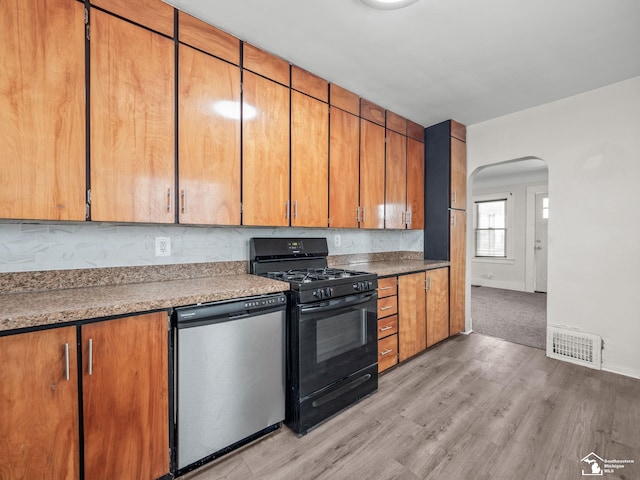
[[491, 228]]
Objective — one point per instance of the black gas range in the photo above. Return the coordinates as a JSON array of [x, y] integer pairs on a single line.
[[331, 328]]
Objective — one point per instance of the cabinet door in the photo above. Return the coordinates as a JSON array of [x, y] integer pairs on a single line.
[[154, 14], [412, 325], [39, 405], [458, 174], [132, 122], [371, 175], [265, 152], [344, 151], [415, 184], [437, 305], [125, 390], [208, 139], [309, 161], [395, 198], [42, 139], [457, 247]]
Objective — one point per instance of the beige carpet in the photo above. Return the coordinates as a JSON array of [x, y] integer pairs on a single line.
[[518, 317]]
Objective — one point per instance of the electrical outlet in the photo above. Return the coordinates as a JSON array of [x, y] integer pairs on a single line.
[[163, 246], [337, 241]]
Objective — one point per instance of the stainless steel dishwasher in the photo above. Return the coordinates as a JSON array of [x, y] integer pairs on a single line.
[[230, 376]]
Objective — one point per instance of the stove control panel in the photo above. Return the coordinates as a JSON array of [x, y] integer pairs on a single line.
[[363, 286], [325, 292]]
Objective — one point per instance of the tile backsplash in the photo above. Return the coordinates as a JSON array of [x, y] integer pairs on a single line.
[[46, 246]]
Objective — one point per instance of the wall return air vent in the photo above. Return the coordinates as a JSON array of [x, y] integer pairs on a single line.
[[575, 347]]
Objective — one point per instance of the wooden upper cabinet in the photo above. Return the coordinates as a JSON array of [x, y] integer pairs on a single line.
[[437, 305], [125, 398], [415, 131], [395, 180], [309, 161], [372, 151], [372, 112], [344, 164], [396, 123], [39, 433], [265, 147], [208, 139], [415, 184], [458, 131], [344, 99], [154, 14], [458, 174], [132, 123], [265, 64], [42, 106], [310, 84], [203, 36]]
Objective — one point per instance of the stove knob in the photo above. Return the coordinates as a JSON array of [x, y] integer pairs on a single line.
[[328, 291], [318, 293]]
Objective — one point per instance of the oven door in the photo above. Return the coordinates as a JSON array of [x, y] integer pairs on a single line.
[[336, 338]]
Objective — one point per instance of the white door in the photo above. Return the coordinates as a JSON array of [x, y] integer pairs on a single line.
[[540, 254]]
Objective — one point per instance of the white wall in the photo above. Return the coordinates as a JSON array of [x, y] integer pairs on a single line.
[[591, 143], [48, 246]]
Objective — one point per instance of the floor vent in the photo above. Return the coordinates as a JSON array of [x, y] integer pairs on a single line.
[[575, 347]]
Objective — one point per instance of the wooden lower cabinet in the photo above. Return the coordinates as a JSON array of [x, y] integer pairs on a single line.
[[39, 405], [423, 311], [387, 323], [124, 401]]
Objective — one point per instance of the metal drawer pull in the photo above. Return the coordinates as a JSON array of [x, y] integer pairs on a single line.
[[388, 327], [358, 214], [184, 201], [387, 307], [66, 361], [286, 210], [385, 288], [169, 200], [90, 356], [386, 352]]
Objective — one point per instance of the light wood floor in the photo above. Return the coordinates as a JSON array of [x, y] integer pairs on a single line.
[[471, 408]]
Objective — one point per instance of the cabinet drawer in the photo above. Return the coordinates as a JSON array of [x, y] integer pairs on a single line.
[[387, 326], [387, 306], [387, 352], [387, 286]]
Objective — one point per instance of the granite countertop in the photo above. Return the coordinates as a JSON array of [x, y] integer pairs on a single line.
[[395, 267], [30, 309]]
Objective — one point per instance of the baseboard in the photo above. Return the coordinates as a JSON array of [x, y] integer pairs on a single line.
[[621, 370], [484, 282], [467, 332]]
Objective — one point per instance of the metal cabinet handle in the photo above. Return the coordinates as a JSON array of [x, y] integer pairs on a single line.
[[358, 214], [404, 218], [408, 218], [295, 209], [66, 362], [169, 207], [386, 352], [455, 197], [385, 288], [453, 219], [286, 210], [384, 329], [387, 307], [427, 284], [183, 196], [364, 214], [90, 356]]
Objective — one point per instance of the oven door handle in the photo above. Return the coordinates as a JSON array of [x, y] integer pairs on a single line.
[[340, 303]]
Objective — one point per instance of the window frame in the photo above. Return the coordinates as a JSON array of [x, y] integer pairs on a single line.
[[507, 197]]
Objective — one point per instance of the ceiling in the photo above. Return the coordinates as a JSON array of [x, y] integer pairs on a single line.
[[468, 60]]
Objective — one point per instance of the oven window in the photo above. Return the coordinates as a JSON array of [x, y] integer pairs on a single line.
[[340, 333]]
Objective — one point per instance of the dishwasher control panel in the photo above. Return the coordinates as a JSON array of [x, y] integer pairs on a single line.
[[266, 302], [228, 309]]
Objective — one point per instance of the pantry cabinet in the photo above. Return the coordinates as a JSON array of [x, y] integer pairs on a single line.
[[437, 305], [372, 150], [39, 433], [124, 401], [395, 200], [132, 122], [42, 106], [445, 219], [208, 139]]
